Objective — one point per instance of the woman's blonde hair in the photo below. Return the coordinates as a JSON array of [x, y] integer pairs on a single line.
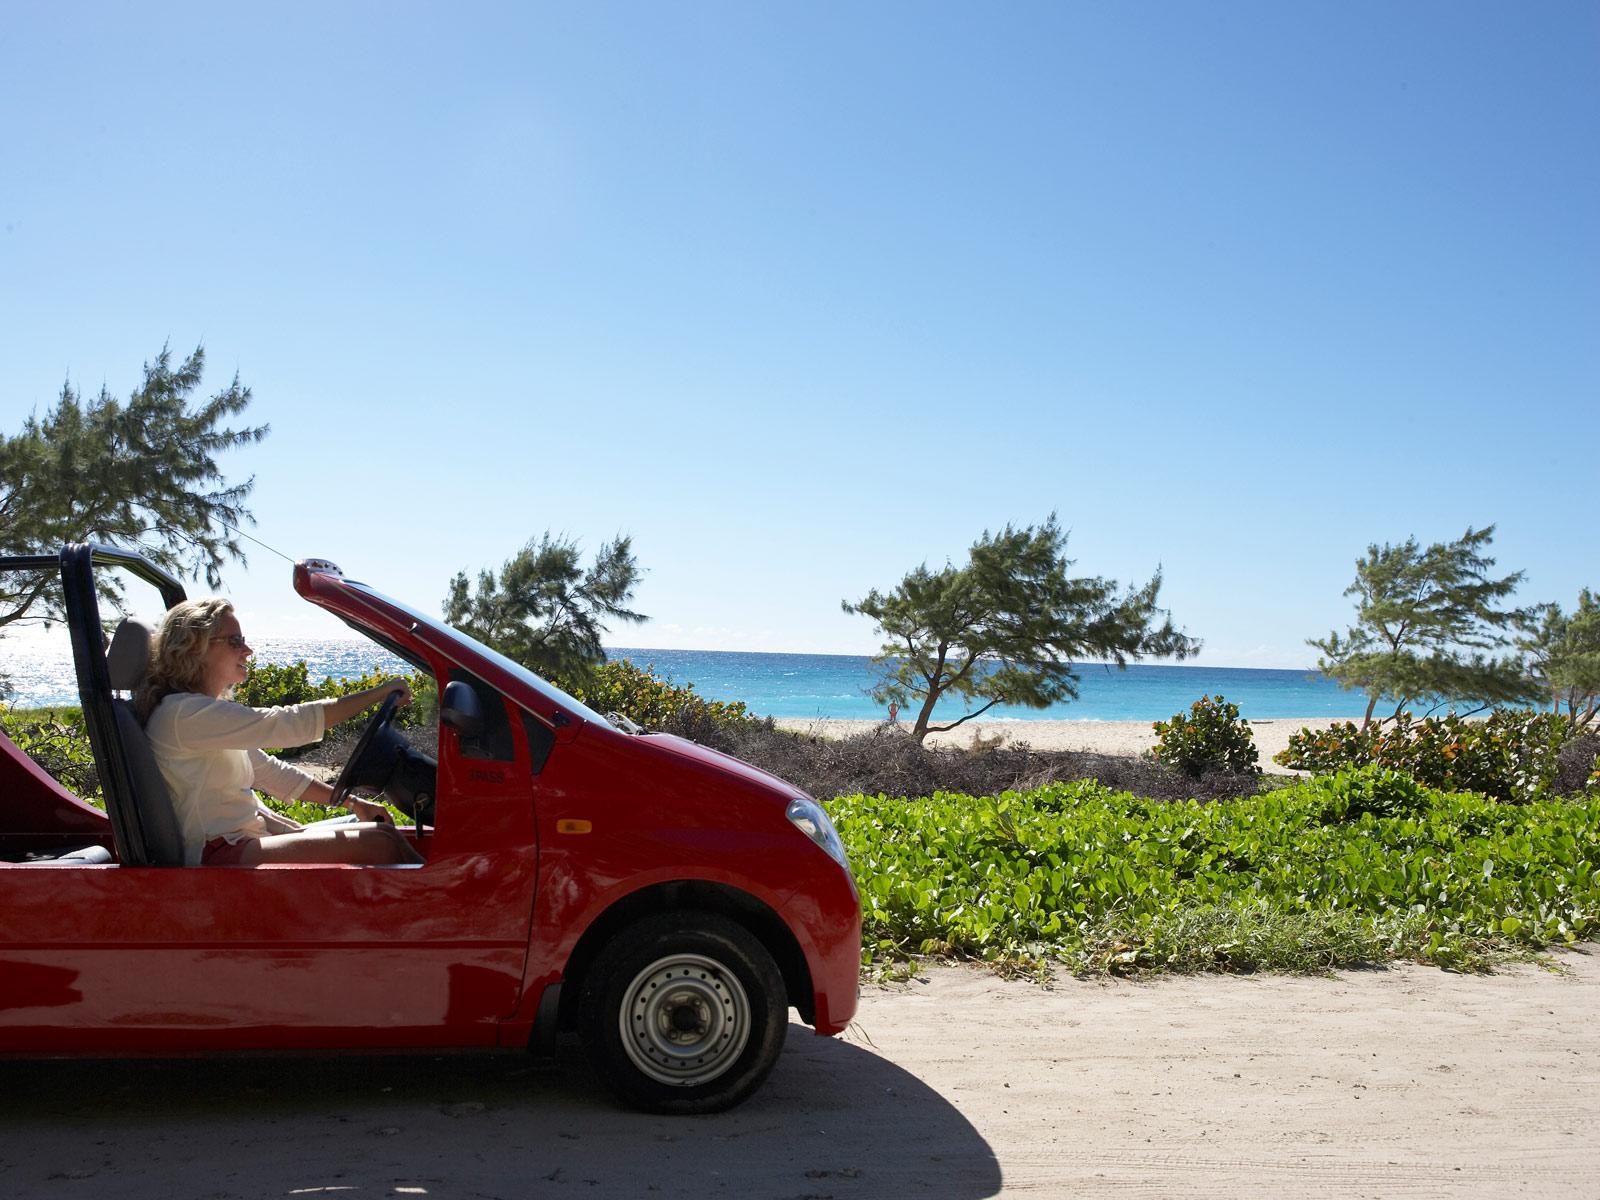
[[178, 654]]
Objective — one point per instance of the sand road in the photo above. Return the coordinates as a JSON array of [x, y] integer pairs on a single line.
[[1402, 1082]]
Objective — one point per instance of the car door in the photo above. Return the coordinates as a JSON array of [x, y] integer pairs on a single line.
[[117, 958]]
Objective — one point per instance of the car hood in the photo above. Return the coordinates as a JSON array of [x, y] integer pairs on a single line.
[[682, 750]]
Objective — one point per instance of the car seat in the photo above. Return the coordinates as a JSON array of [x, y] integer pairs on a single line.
[[127, 663]]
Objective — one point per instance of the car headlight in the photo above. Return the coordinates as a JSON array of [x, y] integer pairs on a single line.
[[809, 818]]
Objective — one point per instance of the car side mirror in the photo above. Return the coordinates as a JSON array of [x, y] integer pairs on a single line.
[[459, 708]]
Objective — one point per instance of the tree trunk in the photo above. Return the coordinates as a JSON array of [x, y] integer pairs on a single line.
[[1366, 721], [924, 715]]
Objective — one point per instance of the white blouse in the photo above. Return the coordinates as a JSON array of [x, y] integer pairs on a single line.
[[209, 752]]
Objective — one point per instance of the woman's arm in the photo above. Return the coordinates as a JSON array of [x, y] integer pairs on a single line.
[[356, 703], [318, 792], [288, 782], [191, 723]]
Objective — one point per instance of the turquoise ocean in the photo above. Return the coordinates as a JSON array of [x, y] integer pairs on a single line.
[[835, 686], [813, 686]]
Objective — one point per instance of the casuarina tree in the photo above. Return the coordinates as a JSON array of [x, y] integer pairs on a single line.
[[1565, 653], [1007, 626], [1430, 628], [142, 474], [544, 609]]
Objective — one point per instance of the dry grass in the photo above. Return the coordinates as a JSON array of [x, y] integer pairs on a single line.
[[886, 760]]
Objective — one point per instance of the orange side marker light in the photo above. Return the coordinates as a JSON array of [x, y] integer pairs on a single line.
[[570, 825]]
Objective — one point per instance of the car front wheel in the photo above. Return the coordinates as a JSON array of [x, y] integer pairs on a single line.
[[684, 1013]]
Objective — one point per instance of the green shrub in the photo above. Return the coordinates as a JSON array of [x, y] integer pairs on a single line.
[[57, 740], [1211, 738], [639, 694], [1342, 744], [1511, 755], [269, 684]]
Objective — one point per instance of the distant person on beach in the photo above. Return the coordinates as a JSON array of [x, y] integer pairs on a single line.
[[210, 752], [894, 712]]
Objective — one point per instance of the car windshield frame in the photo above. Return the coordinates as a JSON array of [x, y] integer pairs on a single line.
[[540, 686]]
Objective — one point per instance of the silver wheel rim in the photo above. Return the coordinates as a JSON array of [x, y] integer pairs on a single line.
[[685, 1020]]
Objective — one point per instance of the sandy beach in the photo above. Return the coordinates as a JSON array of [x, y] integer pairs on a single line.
[[1096, 737], [1404, 1081]]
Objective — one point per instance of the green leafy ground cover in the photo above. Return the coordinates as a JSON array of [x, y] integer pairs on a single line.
[[1361, 866]]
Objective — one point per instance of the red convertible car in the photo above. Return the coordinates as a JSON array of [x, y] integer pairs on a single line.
[[667, 902]]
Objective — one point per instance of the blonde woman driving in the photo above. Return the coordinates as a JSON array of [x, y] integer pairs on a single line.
[[210, 752]]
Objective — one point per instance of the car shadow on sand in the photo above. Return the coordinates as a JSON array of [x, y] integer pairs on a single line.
[[833, 1120]]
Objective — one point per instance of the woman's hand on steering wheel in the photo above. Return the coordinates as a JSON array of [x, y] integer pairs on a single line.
[[397, 686]]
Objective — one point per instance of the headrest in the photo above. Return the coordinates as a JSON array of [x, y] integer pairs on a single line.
[[128, 658]]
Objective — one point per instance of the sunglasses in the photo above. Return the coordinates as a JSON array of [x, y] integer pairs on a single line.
[[235, 641]]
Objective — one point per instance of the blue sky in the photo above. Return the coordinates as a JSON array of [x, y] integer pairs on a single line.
[[802, 296]]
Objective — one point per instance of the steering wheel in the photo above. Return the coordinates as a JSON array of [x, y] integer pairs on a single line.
[[372, 761]]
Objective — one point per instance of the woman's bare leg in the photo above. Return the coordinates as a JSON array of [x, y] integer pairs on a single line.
[[364, 844]]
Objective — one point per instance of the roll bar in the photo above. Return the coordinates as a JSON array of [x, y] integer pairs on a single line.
[[81, 601]]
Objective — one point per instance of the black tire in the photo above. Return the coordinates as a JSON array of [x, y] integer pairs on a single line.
[[704, 1006]]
